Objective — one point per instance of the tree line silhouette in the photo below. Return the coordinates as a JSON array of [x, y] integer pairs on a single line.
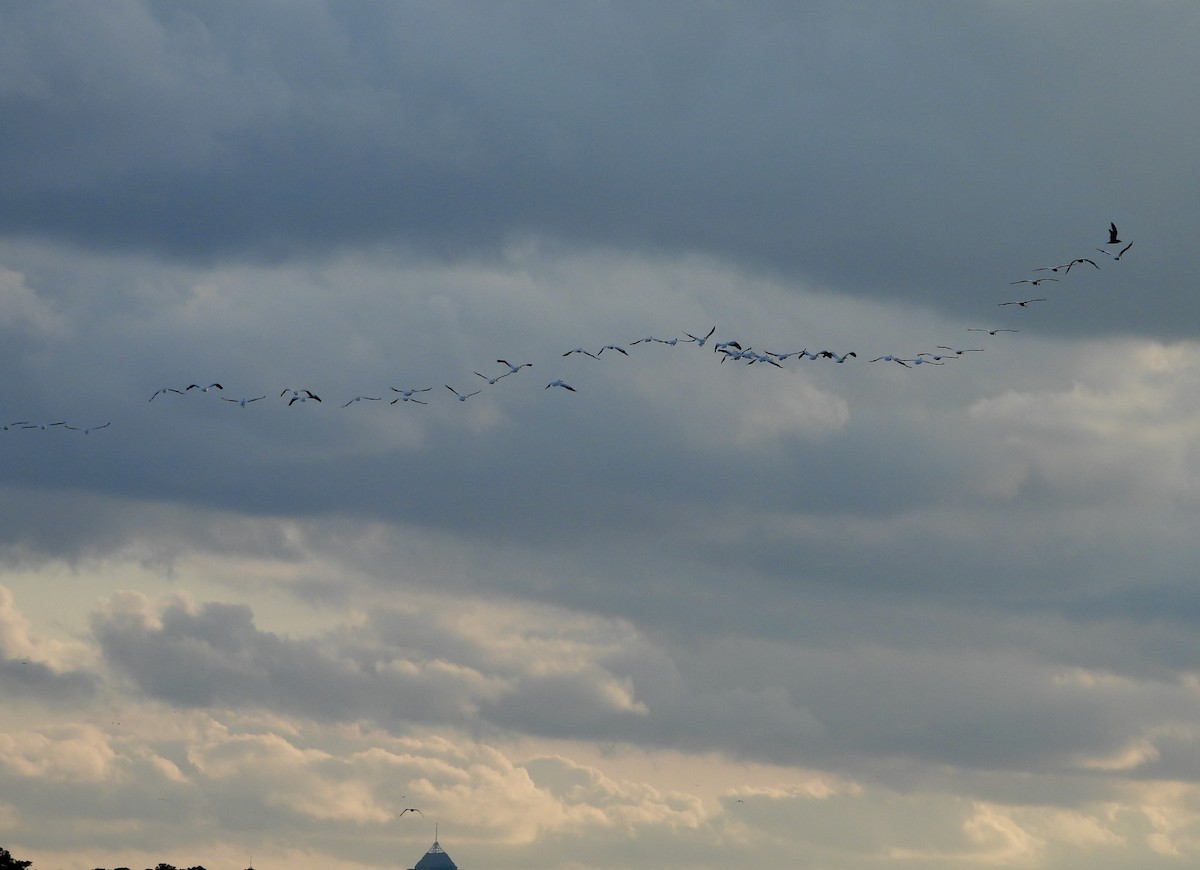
[[8, 862]]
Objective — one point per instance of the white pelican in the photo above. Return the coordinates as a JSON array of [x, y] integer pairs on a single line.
[[88, 430], [461, 397], [700, 341], [1117, 256], [1022, 303], [165, 390], [297, 397], [242, 402], [513, 369], [615, 347], [560, 383], [492, 381], [582, 351], [361, 399], [205, 389]]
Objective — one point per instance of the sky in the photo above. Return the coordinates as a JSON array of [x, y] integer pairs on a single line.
[[697, 612]]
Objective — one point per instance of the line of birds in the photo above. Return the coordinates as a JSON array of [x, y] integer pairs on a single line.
[[727, 350]]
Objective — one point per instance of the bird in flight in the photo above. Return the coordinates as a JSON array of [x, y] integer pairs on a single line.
[[204, 389], [560, 383], [461, 397], [1112, 234], [700, 341], [492, 381], [1066, 267], [959, 351], [513, 369], [990, 331], [242, 402], [409, 398], [890, 358], [1079, 260], [410, 810], [1021, 303], [615, 347], [1033, 281], [165, 390], [298, 397], [88, 430], [361, 399], [1117, 256], [582, 351]]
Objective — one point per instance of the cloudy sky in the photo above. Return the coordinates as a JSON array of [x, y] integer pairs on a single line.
[[697, 613]]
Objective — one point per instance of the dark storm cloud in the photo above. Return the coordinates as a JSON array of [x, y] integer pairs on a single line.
[[896, 151]]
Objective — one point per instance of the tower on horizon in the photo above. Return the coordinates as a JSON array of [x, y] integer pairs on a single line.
[[435, 859]]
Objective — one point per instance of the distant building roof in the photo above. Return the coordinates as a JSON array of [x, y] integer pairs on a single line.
[[435, 859]]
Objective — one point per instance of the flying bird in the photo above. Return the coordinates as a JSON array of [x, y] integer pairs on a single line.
[[408, 398], [959, 351], [1117, 256], [890, 358], [560, 383], [670, 341], [88, 430], [361, 399], [492, 381], [1066, 267], [700, 341], [407, 394], [990, 331], [513, 369], [1022, 303], [1079, 260], [582, 351], [242, 402], [165, 390], [43, 425], [410, 810], [461, 396], [297, 397], [205, 389], [760, 357], [1033, 281], [615, 347], [1112, 234]]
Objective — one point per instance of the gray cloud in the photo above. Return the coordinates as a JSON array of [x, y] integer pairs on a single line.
[[811, 145], [953, 598]]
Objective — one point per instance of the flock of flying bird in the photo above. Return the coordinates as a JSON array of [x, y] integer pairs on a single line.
[[728, 350]]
